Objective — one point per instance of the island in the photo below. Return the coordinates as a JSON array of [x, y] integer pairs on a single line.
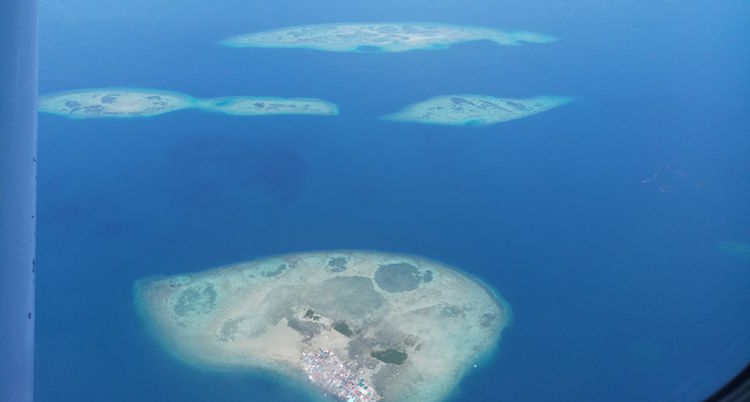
[[352, 325], [144, 102], [248, 105], [380, 37], [474, 110], [113, 102]]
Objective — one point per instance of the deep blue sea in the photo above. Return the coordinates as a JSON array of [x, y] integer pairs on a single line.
[[619, 290]]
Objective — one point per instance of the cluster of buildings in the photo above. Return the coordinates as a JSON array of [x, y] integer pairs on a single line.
[[326, 370]]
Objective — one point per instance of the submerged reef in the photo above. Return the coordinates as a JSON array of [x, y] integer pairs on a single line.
[[380, 37], [474, 110], [387, 328], [143, 102], [736, 249]]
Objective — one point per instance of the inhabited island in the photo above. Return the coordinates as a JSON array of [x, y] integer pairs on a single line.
[[381, 37], [143, 102], [474, 110], [353, 325]]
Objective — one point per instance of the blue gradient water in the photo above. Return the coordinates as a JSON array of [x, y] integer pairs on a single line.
[[618, 290]]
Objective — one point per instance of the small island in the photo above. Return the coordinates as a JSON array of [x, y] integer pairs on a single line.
[[353, 325], [249, 106], [474, 110], [113, 102], [143, 102], [380, 37]]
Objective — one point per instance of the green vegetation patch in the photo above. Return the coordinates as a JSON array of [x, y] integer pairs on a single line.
[[390, 356], [343, 328]]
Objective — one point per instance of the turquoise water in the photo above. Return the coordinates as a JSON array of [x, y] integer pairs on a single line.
[[620, 291]]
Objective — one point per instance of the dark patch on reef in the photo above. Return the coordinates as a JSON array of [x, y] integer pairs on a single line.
[[487, 320], [518, 105], [343, 329], [369, 362], [452, 311], [390, 356], [275, 272], [400, 277], [196, 299], [76, 107], [228, 331], [410, 341], [427, 277], [368, 49], [109, 98], [458, 101], [311, 315], [338, 264], [90, 110], [308, 329]]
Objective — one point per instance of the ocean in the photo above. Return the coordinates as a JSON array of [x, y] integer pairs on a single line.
[[619, 288]]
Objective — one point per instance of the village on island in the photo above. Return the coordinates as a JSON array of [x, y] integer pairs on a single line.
[[335, 377]]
